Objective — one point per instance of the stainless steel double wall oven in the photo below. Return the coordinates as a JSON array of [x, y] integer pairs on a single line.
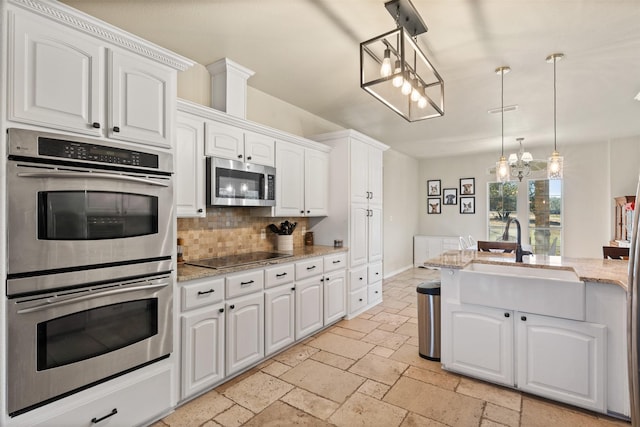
[[89, 284]]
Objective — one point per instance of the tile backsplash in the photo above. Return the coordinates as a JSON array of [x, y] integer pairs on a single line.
[[227, 231]]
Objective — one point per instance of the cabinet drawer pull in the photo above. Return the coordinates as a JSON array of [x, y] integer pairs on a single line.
[[116, 129], [523, 318], [336, 262], [246, 283], [96, 125], [111, 414], [281, 274], [507, 315], [210, 291], [311, 268]]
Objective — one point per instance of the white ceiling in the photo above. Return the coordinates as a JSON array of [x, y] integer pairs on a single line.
[[306, 52]]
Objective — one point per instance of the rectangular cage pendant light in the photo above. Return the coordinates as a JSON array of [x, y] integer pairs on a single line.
[[395, 71]]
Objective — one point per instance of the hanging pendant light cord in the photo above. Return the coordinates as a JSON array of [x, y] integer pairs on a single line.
[[502, 108], [555, 148]]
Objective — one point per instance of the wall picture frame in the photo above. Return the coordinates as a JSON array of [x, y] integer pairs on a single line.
[[433, 187], [467, 205], [467, 187], [434, 205], [450, 196]]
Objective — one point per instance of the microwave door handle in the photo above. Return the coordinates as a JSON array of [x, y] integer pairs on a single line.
[[53, 303], [91, 175]]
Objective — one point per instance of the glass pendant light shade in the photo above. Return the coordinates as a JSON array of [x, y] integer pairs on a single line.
[[555, 163], [503, 171], [555, 166]]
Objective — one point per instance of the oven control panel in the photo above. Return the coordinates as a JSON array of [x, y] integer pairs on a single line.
[[95, 153]]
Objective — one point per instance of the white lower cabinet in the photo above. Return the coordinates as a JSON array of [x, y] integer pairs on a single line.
[[335, 302], [309, 306], [245, 331], [279, 311], [481, 342], [562, 359], [202, 349]]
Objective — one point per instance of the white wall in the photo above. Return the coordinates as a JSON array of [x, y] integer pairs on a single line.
[[594, 174], [400, 211]]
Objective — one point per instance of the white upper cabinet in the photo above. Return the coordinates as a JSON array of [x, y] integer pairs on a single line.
[[190, 166], [56, 77], [234, 143], [140, 91], [62, 78], [302, 181], [366, 173]]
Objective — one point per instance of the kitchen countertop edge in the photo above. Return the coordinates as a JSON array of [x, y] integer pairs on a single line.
[[595, 270], [191, 272]]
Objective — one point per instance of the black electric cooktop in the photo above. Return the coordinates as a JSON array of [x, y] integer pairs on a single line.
[[235, 260]]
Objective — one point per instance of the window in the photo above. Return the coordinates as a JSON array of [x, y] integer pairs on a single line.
[[503, 203], [545, 216]]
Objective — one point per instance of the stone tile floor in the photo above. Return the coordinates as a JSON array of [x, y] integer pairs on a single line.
[[367, 372]]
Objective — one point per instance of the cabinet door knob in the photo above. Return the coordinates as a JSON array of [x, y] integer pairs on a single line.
[[301, 212], [308, 211], [523, 318], [248, 157], [232, 306], [116, 129], [360, 278], [293, 289], [507, 315], [359, 299], [200, 210], [96, 125], [239, 156], [221, 310], [376, 292]]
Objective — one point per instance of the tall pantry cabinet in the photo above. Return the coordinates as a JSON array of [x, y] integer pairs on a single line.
[[355, 212]]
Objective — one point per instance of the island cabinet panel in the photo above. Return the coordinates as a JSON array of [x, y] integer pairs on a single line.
[[481, 342], [562, 359]]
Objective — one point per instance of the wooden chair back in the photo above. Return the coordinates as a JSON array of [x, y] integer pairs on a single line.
[[486, 246], [615, 252]]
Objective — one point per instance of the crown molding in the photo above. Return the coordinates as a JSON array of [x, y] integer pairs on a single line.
[[87, 24]]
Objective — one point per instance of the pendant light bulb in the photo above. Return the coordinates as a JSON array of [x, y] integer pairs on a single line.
[[406, 86], [555, 166], [415, 93], [385, 68], [397, 70], [422, 102]]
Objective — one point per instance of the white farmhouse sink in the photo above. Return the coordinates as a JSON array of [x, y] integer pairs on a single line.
[[543, 291]]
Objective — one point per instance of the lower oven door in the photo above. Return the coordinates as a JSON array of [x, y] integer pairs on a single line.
[[60, 343]]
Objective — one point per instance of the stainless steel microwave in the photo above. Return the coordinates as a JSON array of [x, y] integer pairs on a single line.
[[234, 183]]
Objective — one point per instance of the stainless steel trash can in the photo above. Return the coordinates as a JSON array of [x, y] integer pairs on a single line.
[[429, 319]]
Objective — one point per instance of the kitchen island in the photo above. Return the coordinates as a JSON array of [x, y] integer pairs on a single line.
[[551, 326]]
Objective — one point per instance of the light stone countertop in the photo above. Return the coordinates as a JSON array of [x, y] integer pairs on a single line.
[[606, 271], [191, 272]]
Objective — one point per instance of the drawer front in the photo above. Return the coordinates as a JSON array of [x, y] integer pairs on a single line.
[[309, 268], [374, 292], [358, 278], [357, 300], [136, 404], [278, 275], [245, 283], [335, 262], [374, 273], [202, 292]]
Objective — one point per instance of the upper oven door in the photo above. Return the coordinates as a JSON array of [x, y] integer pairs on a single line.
[[63, 217]]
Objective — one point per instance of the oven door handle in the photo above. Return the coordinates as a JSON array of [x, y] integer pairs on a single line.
[[91, 175], [51, 302]]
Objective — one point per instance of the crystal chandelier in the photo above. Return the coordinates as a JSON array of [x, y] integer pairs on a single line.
[[395, 70], [520, 163]]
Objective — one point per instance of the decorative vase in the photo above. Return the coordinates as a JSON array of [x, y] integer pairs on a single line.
[[285, 242]]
